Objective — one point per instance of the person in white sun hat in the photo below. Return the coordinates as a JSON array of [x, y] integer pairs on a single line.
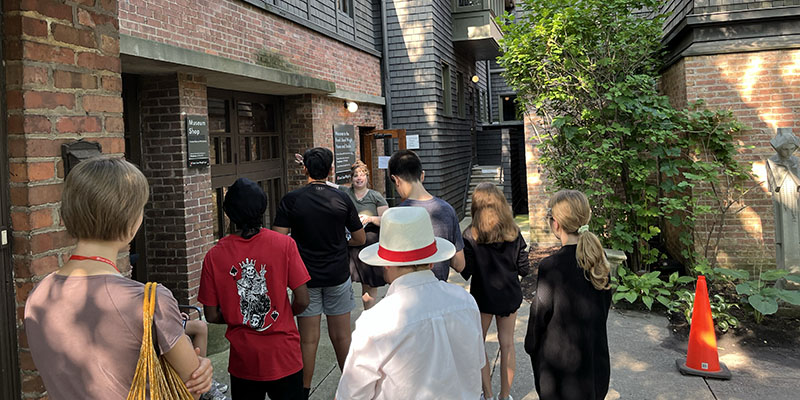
[[424, 339]]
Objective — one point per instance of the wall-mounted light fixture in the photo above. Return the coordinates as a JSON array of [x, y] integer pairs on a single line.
[[475, 79], [351, 106]]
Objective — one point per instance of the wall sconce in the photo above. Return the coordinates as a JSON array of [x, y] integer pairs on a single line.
[[351, 106], [475, 79]]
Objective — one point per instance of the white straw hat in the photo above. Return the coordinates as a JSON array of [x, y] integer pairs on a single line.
[[407, 239]]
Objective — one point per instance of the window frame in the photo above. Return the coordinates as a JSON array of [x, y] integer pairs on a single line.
[[347, 9], [447, 90], [461, 105]]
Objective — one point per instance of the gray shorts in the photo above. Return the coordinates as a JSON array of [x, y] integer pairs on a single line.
[[330, 300]]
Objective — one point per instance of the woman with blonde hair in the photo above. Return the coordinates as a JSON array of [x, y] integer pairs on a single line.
[[370, 206], [567, 338], [84, 321], [495, 256]]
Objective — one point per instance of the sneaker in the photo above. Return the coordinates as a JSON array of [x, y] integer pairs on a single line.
[[223, 388], [508, 398], [488, 398], [213, 394]]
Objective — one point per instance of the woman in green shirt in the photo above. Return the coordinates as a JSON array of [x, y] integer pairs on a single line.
[[370, 206]]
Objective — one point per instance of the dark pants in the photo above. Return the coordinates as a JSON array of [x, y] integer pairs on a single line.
[[288, 388]]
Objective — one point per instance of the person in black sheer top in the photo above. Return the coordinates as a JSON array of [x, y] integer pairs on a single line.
[[567, 338], [495, 256]]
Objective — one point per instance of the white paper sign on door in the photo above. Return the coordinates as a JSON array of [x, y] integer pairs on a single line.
[[412, 142], [383, 162]]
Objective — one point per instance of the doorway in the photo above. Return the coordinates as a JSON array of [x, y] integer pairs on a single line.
[[133, 153], [9, 364], [246, 141], [382, 142], [519, 173]]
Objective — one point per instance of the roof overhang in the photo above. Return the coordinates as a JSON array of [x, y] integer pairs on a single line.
[[147, 57]]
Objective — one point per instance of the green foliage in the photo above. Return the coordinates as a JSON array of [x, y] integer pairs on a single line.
[[589, 71], [761, 293], [647, 287], [683, 303]]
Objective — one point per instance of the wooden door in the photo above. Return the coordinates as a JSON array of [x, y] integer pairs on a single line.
[[368, 145], [246, 141]]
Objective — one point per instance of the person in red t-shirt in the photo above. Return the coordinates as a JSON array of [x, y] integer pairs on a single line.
[[243, 285]]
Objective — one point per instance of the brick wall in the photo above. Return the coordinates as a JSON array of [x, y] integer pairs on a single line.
[[63, 83], [309, 122], [237, 30], [540, 232], [179, 216], [763, 91], [673, 84]]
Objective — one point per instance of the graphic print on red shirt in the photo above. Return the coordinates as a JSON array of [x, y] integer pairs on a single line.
[[247, 280], [254, 302]]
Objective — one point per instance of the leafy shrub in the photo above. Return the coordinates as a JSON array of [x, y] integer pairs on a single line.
[[588, 70], [683, 303], [648, 287], [760, 293]]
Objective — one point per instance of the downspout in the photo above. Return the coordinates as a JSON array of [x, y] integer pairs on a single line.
[[387, 93], [387, 81], [466, 191], [489, 91]]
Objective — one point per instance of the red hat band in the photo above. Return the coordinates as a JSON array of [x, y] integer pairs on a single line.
[[406, 256]]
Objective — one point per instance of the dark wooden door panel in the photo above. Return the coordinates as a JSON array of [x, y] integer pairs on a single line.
[[9, 364]]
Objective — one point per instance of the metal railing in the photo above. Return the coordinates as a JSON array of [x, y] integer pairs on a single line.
[[497, 7]]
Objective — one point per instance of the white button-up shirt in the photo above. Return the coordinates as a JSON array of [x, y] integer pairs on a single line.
[[422, 341]]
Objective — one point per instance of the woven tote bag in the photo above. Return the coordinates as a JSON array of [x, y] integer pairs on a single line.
[[165, 383]]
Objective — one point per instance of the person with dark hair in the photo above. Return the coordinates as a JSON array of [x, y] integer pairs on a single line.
[[317, 162], [317, 216], [243, 285], [405, 169]]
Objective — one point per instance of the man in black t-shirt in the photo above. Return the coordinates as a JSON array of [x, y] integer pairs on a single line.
[[317, 215]]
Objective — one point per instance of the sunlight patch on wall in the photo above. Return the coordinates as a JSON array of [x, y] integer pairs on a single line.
[[414, 32], [751, 222], [750, 77], [759, 171], [793, 68]]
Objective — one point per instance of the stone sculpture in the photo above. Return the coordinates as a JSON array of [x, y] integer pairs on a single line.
[[783, 177]]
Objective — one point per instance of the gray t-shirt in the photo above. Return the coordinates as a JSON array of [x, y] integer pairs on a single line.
[[368, 205], [445, 225], [85, 333]]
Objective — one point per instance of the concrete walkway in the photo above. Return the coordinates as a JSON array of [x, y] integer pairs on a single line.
[[643, 353]]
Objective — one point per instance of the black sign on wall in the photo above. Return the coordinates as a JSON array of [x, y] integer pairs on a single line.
[[344, 151], [197, 140]]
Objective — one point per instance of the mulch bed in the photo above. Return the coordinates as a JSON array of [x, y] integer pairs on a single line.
[[536, 255], [781, 330]]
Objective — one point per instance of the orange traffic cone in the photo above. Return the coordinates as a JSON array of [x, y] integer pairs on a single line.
[[702, 358]]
